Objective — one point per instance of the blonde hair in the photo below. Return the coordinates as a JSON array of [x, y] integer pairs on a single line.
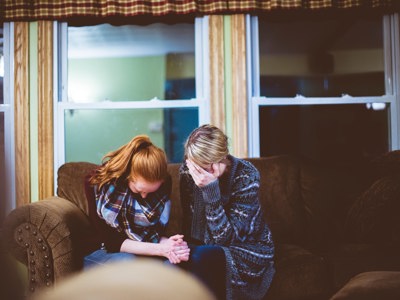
[[206, 144], [138, 158]]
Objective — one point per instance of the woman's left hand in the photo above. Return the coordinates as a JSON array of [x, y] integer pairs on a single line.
[[202, 177]]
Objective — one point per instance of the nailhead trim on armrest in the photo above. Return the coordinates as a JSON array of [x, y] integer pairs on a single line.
[[39, 257]]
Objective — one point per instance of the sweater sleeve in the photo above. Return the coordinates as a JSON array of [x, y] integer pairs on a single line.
[[103, 233], [232, 220]]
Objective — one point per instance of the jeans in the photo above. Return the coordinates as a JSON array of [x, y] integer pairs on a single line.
[[101, 257], [208, 264]]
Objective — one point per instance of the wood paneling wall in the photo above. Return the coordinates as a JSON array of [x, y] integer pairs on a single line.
[[239, 86], [21, 112], [237, 53], [45, 104], [217, 82]]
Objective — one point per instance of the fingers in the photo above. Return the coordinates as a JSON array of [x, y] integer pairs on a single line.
[[179, 254], [173, 258], [182, 252], [200, 176], [193, 166], [217, 169], [177, 238], [193, 169]]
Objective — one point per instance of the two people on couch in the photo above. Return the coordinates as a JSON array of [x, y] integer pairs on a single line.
[[226, 242]]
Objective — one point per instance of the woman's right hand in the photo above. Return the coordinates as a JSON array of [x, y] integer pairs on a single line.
[[175, 249]]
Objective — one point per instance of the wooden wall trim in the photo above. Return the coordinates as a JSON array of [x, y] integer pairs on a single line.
[[217, 82], [21, 112], [239, 86], [45, 104]]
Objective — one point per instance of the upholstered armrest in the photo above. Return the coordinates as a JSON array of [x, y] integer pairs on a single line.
[[48, 237]]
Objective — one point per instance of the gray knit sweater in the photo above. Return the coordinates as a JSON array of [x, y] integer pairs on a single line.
[[227, 213]]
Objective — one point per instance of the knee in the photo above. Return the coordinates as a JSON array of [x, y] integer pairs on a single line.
[[207, 255]]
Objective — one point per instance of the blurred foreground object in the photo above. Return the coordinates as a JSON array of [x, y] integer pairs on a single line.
[[138, 279]]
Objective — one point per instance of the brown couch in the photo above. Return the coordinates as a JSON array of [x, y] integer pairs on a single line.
[[328, 224]]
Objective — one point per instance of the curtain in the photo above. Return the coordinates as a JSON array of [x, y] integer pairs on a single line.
[[30, 10]]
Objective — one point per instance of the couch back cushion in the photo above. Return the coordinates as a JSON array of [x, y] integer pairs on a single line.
[[279, 194], [70, 182], [280, 197], [175, 220]]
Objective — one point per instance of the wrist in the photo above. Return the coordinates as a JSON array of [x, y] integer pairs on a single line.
[[211, 192], [162, 250]]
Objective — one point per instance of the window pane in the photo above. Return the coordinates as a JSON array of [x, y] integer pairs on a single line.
[[335, 134], [90, 134], [321, 58], [2, 169], [131, 62]]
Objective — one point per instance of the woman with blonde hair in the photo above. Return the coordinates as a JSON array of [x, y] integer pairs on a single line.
[[231, 245], [129, 206]]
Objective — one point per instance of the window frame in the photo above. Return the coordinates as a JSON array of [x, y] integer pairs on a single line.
[[391, 68], [8, 109], [60, 96]]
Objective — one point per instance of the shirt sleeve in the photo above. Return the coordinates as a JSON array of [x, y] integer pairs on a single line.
[[103, 233]]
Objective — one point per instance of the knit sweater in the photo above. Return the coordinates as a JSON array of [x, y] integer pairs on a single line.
[[227, 213]]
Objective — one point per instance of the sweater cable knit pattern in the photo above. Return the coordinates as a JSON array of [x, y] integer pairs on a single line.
[[227, 213]]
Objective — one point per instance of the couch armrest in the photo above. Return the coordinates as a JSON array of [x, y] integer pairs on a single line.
[[48, 237]]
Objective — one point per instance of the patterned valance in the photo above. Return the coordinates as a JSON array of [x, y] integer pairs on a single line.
[[29, 10]]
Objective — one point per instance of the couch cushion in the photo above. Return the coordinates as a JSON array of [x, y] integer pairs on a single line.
[[175, 219], [299, 275], [280, 197], [348, 260], [371, 286], [374, 215], [70, 182]]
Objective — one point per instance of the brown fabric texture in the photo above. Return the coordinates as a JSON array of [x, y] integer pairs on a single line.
[[175, 220], [48, 236], [70, 182], [349, 259], [374, 217], [280, 198], [297, 268], [16, 10], [371, 286]]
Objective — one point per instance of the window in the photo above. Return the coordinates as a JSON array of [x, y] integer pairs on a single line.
[[323, 89], [120, 81], [7, 182]]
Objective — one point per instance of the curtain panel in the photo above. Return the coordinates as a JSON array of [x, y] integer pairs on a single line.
[[31, 10]]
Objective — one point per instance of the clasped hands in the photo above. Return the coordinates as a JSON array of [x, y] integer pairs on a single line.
[[177, 250]]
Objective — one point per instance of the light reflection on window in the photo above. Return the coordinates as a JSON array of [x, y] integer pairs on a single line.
[[131, 62]]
